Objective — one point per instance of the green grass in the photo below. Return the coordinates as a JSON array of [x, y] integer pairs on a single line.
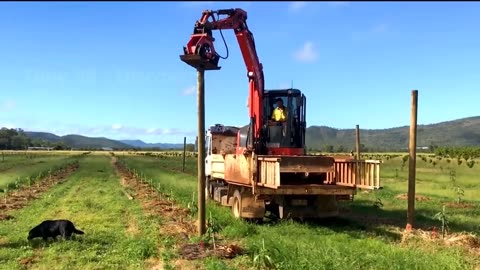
[[120, 236], [92, 198], [295, 245]]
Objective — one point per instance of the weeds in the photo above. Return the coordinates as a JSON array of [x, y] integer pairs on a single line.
[[263, 259], [192, 205], [378, 203], [470, 163]]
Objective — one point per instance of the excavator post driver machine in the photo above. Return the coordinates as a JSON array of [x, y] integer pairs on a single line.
[[263, 165]]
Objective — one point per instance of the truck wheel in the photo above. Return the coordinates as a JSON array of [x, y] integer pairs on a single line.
[[208, 189], [237, 204]]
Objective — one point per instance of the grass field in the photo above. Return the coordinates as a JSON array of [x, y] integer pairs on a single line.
[[155, 229]]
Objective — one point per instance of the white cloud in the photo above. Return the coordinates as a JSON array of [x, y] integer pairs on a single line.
[[189, 91], [135, 131], [307, 53], [151, 130], [7, 125], [116, 126], [8, 105], [297, 5], [338, 3]]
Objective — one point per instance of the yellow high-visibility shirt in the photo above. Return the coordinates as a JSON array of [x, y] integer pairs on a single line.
[[279, 114]]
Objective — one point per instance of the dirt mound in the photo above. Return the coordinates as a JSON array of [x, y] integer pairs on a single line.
[[470, 242], [460, 205], [4, 216], [20, 197], [419, 198], [198, 251]]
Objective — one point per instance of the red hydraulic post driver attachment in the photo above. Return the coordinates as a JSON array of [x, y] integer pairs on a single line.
[[200, 52]]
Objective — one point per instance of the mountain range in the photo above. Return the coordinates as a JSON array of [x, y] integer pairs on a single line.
[[460, 132]]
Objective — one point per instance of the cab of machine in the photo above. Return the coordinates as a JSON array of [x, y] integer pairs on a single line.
[[290, 133]]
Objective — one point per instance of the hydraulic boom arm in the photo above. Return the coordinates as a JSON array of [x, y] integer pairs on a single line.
[[200, 53]]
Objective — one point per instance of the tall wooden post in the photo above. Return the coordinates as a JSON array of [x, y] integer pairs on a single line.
[[412, 161], [184, 152], [357, 140], [201, 150], [358, 171]]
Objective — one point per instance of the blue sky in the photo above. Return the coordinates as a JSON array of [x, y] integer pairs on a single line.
[[113, 69]]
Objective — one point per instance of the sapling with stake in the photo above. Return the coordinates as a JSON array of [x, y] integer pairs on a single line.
[[460, 193], [212, 228], [442, 216]]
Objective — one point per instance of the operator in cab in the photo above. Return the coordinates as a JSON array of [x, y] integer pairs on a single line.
[[280, 112], [279, 115]]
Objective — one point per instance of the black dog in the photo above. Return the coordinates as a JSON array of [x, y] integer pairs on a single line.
[[53, 228]]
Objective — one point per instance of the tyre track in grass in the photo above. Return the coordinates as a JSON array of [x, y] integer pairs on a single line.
[[20, 197], [117, 234]]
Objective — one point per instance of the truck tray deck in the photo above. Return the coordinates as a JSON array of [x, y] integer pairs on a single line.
[[305, 190]]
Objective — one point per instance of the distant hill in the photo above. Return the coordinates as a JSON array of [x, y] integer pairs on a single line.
[[77, 141], [460, 132], [142, 144], [49, 137]]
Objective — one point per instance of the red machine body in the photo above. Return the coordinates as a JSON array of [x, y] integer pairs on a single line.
[[200, 53]]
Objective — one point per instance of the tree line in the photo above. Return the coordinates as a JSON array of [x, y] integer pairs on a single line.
[[16, 139], [458, 152]]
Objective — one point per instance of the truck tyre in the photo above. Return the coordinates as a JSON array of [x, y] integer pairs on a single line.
[[237, 204], [207, 189]]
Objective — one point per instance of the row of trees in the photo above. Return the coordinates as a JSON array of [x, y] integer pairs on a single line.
[[16, 139], [13, 139], [466, 153], [458, 152], [329, 148]]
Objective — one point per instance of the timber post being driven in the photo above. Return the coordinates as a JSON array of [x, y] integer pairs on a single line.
[[412, 161], [358, 178], [184, 152], [201, 150]]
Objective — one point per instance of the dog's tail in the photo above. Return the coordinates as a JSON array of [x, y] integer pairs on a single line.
[[75, 230]]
